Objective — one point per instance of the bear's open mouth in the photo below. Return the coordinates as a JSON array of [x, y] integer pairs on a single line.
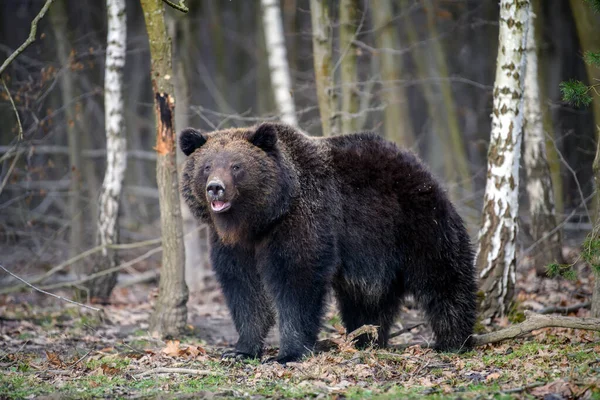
[[220, 206]]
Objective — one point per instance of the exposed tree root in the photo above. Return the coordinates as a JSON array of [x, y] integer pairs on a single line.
[[533, 322]]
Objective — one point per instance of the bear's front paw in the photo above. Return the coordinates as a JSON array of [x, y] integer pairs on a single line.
[[284, 359], [237, 355]]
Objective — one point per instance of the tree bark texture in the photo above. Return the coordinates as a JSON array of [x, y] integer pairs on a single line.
[[116, 149], [58, 19], [170, 312], [322, 42], [496, 253], [195, 239], [278, 64], [539, 181], [398, 127], [349, 72]]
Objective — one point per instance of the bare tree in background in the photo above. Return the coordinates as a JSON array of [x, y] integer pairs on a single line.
[[398, 127], [196, 241], [322, 41], [278, 64], [496, 255], [539, 182], [58, 19], [116, 149], [349, 71], [170, 312]]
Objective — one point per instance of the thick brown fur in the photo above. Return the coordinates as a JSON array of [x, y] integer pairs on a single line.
[[350, 213]]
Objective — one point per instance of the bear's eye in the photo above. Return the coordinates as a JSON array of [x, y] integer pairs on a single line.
[[235, 168], [207, 168]]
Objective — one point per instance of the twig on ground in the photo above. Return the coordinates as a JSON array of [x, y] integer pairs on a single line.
[[533, 322], [404, 330], [80, 360], [370, 329], [523, 388], [564, 310], [188, 371], [31, 37], [48, 293]]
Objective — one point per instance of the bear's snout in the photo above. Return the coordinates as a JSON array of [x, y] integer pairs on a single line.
[[215, 189]]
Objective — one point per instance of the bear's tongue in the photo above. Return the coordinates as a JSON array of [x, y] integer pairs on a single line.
[[218, 205]]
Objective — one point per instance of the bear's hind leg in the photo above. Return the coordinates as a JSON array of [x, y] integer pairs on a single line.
[[450, 308], [357, 309]]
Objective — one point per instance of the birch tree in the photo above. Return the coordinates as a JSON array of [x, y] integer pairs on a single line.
[[116, 146], [321, 38], [496, 254], [278, 64], [170, 312], [398, 127], [539, 181], [350, 101]]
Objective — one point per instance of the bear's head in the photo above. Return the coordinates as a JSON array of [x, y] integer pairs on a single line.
[[235, 179]]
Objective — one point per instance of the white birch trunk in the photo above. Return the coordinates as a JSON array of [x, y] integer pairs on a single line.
[[278, 64], [539, 182], [496, 254], [116, 146]]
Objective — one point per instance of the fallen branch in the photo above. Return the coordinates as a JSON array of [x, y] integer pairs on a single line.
[[533, 322], [48, 293], [564, 310], [404, 330], [188, 371], [31, 37], [523, 388]]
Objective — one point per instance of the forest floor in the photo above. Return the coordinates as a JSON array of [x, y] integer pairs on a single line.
[[50, 349]]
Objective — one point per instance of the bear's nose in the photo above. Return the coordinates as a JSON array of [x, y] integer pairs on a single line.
[[215, 189]]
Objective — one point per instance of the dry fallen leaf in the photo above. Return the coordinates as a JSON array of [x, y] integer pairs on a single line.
[[172, 348], [492, 376], [54, 359]]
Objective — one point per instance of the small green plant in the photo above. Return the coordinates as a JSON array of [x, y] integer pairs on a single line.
[[565, 271], [576, 93], [595, 4], [591, 252]]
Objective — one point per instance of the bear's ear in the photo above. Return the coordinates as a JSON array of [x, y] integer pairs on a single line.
[[265, 136], [190, 139]]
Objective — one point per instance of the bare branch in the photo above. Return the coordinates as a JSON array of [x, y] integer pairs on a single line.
[[20, 135], [180, 7], [48, 293], [533, 322], [81, 256], [31, 37]]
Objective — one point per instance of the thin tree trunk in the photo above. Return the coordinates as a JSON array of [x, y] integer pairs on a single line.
[[587, 23], [440, 160], [58, 18], [196, 253], [116, 148], [322, 42], [496, 255], [539, 182], [457, 144], [349, 71], [595, 235], [170, 312], [544, 64], [278, 64], [398, 127]]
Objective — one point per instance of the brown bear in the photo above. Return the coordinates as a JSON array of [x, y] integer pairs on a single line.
[[292, 217]]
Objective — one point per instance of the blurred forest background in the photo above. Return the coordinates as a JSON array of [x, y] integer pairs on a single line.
[[425, 74]]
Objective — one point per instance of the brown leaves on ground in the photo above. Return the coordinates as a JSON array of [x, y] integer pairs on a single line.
[[174, 349]]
